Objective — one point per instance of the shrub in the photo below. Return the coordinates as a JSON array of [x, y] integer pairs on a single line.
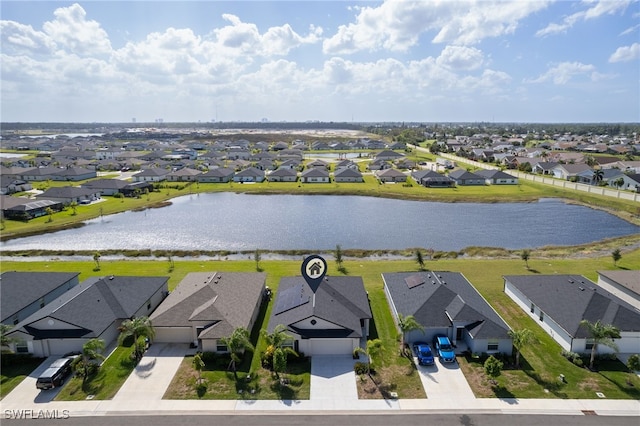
[[633, 363], [493, 366], [360, 368]]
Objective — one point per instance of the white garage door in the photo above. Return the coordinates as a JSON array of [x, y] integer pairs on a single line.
[[173, 335], [331, 346]]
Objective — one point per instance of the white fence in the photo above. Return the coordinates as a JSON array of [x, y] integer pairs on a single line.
[[597, 190]]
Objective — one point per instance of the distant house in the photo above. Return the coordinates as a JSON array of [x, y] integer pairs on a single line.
[[208, 306], [23, 293], [70, 194], [497, 177], [155, 174], [74, 174], [346, 174], [391, 176], [217, 175], [283, 175], [106, 186], [94, 308], [19, 208], [379, 165], [622, 284], [544, 167], [332, 321], [431, 179], [249, 175], [446, 303], [315, 175], [559, 303], [388, 155], [574, 172], [463, 177], [318, 164], [184, 174], [12, 184]]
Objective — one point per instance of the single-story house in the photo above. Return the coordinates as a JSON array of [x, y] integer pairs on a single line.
[[463, 177], [333, 320], [347, 174], [391, 175], [13, 184], [69, 194], [283, 175], [317, 163], [431, 179], [155, 174], [23, 293], [315, 175], [497, 177], [579, 172], [560, 302], [19, 208], [388, 155], [446, 303], [106, 186], [623, 284], [207, 306], [94, 308], [250, 174], [74, 174], [217, 175], [184, 174]]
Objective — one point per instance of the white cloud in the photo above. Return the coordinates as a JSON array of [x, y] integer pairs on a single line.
[[72, 32], [596, 10], [562, 73], [398, 25], [460, 58], [626, 53], [23, 39]]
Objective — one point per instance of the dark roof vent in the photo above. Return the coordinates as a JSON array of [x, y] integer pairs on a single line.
[[581, 288], [111, 277]]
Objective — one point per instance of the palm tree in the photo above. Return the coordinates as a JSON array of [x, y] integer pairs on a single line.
[[525, 255], [521, 338], [136, 327], [374, 348], [406, 324], [598, 175], [236, 344], [601, 334], [92, 350], [276, 339], [96, 258], [419, 259]]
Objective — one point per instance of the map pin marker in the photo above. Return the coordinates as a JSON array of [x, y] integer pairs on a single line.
[[313, 271]]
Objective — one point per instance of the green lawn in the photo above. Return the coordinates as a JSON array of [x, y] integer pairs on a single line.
[[105, 383], [15, 372], [542, 363]]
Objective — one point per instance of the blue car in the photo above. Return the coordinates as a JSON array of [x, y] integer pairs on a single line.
[[423, 353], [444, 348]]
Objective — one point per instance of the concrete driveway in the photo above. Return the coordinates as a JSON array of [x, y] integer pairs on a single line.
[[153, 374], [445, 382], [26, 391], [333, 379]]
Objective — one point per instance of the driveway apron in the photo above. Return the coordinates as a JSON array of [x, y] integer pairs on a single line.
[[445, 382], [333, 378], [151, 377]]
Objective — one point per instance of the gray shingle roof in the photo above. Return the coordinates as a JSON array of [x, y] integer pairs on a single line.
[[340, 300], [444, 296], [568, 299], [94, 305], [628, 279], [19, 289], [225, 299]]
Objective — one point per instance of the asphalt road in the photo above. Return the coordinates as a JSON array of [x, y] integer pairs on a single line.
[[358, 419]]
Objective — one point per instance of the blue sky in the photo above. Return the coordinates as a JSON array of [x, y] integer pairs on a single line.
[[428, 61]]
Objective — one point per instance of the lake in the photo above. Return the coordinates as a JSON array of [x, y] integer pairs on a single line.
[[234, 222]]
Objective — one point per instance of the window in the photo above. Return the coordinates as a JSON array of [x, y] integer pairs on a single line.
[[42, 302], [541, 316], [533, 308], [149, 305], [589, 344], [221, 347], [21, 347], [15, 320], [492, 345]]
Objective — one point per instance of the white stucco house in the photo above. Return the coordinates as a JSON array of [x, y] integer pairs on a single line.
[[559, 303]]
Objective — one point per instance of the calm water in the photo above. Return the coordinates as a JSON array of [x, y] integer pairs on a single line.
[[228, 221]]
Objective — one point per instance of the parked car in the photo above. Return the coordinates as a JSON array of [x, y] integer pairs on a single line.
[[54, 376], [444, 348], [423, 353]]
